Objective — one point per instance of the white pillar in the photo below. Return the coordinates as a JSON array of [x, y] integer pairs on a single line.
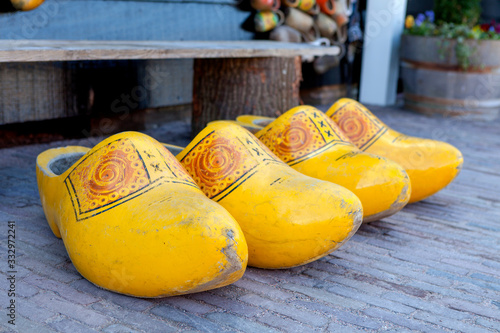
[[380, 63]]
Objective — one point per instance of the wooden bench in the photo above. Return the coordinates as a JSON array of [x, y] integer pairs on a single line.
[[230, 77]]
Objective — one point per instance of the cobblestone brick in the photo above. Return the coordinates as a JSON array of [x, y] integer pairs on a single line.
[[363, 283], [361, 269], [285, 324], [403, 321], [444, 291], [57, 304], [227, 304], [493, 324], [413, 274], [118, 328], [239, 323], [473, 265], [477, 309], [263, 289], [340, 315], [22, 272], [66, 325], [423, 258], [370, 299], [259, 275], [42, 269], [133, 303], [494, 280], [138, 320], [324, 265], [334, 327], [61, 289], [28, 238], [463, 279], [475, 290], [189, 304], [34, 312], [25, 290], [186, 318], [325, 296], [448, 323], [286, 310], [431, 306], [25, 325], [303, 280], [491, 264]]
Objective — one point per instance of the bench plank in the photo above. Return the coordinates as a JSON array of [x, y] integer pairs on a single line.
[[61, 50]]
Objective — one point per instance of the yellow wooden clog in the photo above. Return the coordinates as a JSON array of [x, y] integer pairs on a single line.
[[134, 222], [288, 219], [311, 143], [430, 164]]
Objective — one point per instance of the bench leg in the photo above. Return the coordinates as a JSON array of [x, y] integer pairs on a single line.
[[37, 91], [226, 88]]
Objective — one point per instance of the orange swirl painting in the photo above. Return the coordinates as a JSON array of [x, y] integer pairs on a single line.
[[117, 174], [217, 161], [296, 136], [361, 127]]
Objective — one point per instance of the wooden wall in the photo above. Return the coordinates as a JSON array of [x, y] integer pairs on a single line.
[[45, 91]]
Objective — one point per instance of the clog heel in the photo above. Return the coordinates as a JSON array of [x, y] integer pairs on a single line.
[[134, 222], [430, 164], [311, 143], [288, 219]]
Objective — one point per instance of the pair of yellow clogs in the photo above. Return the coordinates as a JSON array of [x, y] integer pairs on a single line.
[[136, 221], [351, 147]]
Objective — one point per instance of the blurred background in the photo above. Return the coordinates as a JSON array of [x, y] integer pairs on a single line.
[[49, 101]]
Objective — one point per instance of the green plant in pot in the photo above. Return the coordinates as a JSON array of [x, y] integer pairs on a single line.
[[450, 64]]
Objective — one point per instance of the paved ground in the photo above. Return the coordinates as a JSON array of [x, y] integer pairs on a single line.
[[435, 266]]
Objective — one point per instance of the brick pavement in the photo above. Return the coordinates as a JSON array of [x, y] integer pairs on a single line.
[[433, 267]]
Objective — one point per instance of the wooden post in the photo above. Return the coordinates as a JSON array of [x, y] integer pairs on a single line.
[[380, 63], [226, 88], [38, 91]]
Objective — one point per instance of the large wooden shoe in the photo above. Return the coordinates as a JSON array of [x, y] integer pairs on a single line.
[[311, 143], [430, 164], [288, 219], [134, 222]]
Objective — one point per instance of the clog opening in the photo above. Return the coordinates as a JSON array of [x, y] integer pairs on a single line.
[[252, 130], [263, 122], [63, 162], [174, 150]]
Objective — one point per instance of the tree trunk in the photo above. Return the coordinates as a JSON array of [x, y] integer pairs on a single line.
[[227, 88]]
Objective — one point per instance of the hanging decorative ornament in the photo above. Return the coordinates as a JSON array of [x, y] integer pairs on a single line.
[[327, 6], [26, 5]]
